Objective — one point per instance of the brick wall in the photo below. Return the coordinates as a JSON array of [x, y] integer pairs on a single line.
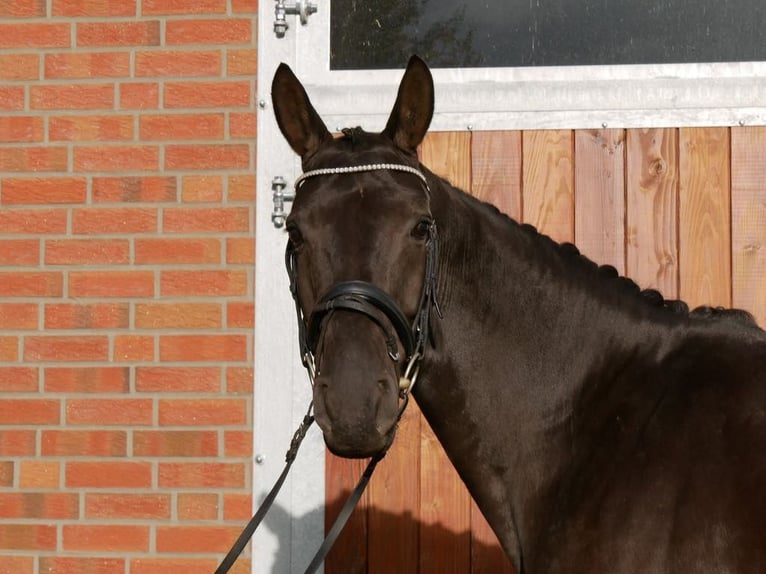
[[127, 150]]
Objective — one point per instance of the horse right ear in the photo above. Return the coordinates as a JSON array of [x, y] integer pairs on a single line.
[[409, 120], [299, 122]]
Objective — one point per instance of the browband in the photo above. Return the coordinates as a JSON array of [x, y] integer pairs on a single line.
[[360, 168]]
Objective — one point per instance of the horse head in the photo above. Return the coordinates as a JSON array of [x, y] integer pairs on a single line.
[[360, 256]]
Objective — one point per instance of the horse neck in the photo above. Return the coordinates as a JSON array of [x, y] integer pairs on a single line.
[[521, 334]]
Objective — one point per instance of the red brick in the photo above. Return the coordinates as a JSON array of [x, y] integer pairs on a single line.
[[34, 35], [66, 348], [93, 8], [90, 128], [98, 380], [237, 507], [50, 505], [108, 412], [72, 97], [19, 253], [29, 411], [105, 537], [108, 474], [81, 565], [28, 221], [202, 412], [31, 284], [44, 191], [87, 251], [223, 31], [6, 472], [27, 537], [240, 314], [139, 96], [240, 250], [243, 125], [16, 67], [244, 6], [18, 379], [141, 33], [242, 62], [15, 442], [191, 539], [111, 284], [35, 474], [181, 127], [17, 565], [85, 65], [15, 129], [178, 316], [89, 443], [238, 444], [175, 64], [178, 379], [207, 94], [38, 159], [200, 156], [194, 506], [9, 348], [203, 282], [18, 316], [22, 8], [166, 443], [117, 158], [202, 189], [87, 316], [185, 565], [218, 219], [11, 98], [114, 220], [134, 348], [239, 380], [242, 188], [202, 475], [128, 506], [149, 189], [203, 347], [177, 251], [180, 7]]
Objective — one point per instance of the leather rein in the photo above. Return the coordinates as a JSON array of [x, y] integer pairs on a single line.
[[365, 298]]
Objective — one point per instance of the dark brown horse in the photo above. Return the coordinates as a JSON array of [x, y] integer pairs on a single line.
[[599, 428]]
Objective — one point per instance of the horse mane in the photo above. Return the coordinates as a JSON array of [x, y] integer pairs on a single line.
[[650, 297]]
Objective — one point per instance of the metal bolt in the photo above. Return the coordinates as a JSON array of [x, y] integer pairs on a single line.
[[604, 125], [262, 104], [741, 122], [259, 459], [469, 127]]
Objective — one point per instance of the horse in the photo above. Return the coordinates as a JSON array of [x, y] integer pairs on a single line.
[[598, 427]]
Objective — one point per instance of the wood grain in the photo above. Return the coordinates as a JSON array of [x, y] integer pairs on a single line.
[[748, 191], [652, 200], [600, 196], [349, 553], [704, 252], [548, 182], [496, 170]]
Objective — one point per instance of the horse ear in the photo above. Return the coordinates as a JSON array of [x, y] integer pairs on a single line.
[[299, 122], [409, 120]]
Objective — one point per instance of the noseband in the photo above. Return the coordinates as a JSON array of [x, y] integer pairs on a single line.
[[365, 298]]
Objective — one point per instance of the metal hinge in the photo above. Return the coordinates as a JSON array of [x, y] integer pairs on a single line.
[[280, 196], [302, 8]]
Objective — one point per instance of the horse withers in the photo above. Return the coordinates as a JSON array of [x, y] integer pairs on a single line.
[[599, 428]]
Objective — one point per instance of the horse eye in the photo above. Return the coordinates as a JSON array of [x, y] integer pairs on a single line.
[[422, 229], [295, 235]]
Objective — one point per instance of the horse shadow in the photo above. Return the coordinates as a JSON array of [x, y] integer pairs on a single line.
[[394, 542]]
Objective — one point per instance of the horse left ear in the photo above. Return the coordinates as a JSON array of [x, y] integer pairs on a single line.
[[409, 120]]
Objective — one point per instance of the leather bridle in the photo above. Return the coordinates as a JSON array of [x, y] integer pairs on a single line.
[[380, 307]]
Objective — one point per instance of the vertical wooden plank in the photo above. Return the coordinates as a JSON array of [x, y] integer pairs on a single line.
[[600, 196], [495, 177], [349, 553], [548, 182], [748, 190], [496, 170], [652, 199], [444, 500], [704, 217]]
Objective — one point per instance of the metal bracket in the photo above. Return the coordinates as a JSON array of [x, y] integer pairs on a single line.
[[280, 196], [302, 8]]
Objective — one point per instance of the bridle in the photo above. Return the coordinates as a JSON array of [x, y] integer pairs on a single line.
[[380, 307]]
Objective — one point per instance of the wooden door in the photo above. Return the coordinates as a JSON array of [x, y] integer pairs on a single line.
[[682, 210]]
